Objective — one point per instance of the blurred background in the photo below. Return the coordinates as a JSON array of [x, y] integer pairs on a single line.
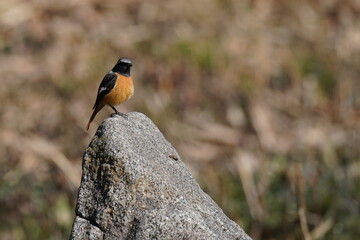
[[261, 99]]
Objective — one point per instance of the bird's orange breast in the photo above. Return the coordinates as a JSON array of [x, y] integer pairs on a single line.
[[122, 91]]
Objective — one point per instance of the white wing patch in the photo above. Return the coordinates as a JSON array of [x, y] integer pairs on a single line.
[[102, 89]]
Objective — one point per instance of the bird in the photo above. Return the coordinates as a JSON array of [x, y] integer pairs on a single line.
[[115, 88]]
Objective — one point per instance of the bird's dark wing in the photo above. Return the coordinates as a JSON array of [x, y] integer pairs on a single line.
[[106, 85]]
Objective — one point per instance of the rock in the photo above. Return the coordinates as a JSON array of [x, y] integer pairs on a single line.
[[135, 186]]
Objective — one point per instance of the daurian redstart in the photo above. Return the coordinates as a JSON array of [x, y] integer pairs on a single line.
[[115, 88]]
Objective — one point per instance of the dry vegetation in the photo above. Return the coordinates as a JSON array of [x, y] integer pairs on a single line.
[[261, 98]]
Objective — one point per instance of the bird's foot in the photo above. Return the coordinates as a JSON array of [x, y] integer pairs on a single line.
[[119, 114]]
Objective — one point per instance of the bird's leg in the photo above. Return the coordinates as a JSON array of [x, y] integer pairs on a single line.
[[117, 112]]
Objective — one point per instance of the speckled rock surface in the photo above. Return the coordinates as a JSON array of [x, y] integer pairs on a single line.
[[135, 186]]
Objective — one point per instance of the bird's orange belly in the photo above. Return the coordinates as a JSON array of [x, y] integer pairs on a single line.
[[122, 91]]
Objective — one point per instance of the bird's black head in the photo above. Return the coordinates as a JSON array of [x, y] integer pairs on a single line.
[[123, 66]]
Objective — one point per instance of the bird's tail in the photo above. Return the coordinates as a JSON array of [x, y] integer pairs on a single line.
[[96, 110]]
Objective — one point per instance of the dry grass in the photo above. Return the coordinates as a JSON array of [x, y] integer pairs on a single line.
[[261, 98]]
